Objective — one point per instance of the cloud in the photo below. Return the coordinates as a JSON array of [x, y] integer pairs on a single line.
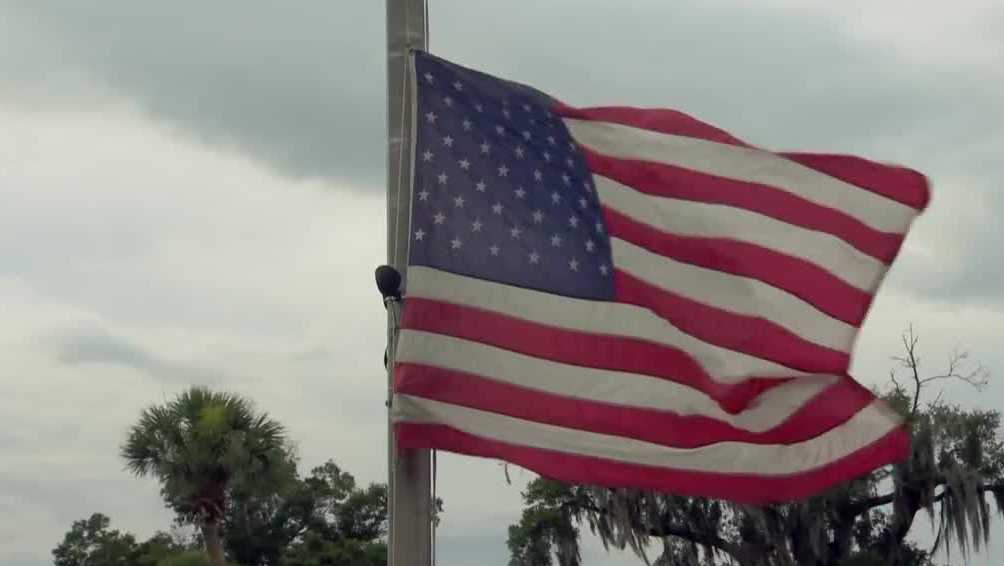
[[95, 346], [296, 87]]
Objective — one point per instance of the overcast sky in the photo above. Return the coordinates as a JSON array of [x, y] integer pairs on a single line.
[[192, 192]]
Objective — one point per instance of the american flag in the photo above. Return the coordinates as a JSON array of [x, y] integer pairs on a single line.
[[630, 297]]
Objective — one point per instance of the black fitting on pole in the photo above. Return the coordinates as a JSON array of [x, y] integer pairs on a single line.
[[388, 281]]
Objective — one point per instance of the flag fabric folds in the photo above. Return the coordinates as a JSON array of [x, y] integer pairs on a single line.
[[631, 297]]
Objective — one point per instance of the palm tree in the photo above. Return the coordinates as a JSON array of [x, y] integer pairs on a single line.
[[199, 446]]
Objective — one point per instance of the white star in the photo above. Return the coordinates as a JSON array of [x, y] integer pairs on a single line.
[[566, 179], [497, 208], [420, 235], [556, 241], [480, 186], [590, 246], [466, 124], [506, 113], [550, 140], [599, 227], [515, 231], [431, 117], [538, 217], [476, 226], [587, 186], [503, 171], [583, 203], [555, 197], [604, 269], [571, 146], [423, 195], [429, 77], [464, 164], [570, 162], [499, 130], [538, 175], [458, 202], [573, 222], [485, 148], [526, 135], [448, 141], [427, 155], [519, 152], [439, 218], [479, 108], [458, 86], [573, 264], [448, 101], [520, 192], [534, 257], [526, 107], [442, 178], [494, 249], [456, 244], [547, 157]]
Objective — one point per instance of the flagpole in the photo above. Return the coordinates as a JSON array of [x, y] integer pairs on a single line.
[[410, 496]]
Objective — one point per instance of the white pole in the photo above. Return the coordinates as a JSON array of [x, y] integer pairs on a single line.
[[410, 494]]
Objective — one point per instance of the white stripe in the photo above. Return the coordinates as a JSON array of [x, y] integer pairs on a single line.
[[604, 386], [743, 164], [594, 317], [704, 220], [865, 427], [742, 295]]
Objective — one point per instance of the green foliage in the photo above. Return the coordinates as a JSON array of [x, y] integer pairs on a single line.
[[202, 447], [324, 508], [91, 542], [548, 522], [202, 444], [316, 550], [185, 558]]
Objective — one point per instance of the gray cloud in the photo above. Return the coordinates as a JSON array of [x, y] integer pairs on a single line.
[[298, 87], [295, 86], [95, 346]]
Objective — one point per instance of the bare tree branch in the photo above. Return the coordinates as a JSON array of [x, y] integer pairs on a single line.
[[978, 377]]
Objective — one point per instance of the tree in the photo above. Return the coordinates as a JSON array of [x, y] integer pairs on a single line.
[[956, 463], [201, 447], [314, 519], [91, 542]]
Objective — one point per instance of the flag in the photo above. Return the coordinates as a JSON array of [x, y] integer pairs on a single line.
[[634, 298]]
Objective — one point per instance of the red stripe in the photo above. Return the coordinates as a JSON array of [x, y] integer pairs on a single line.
[[740, 333], [831, 407], [653, 119], [663, 180], [896, 183], [742, 488], [806, 280], [900, 184], [609, 352]]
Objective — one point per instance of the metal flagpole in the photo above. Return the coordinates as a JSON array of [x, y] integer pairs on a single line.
[[410, 497]]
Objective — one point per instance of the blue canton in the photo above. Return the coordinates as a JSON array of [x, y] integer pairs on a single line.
[[501, 191]]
